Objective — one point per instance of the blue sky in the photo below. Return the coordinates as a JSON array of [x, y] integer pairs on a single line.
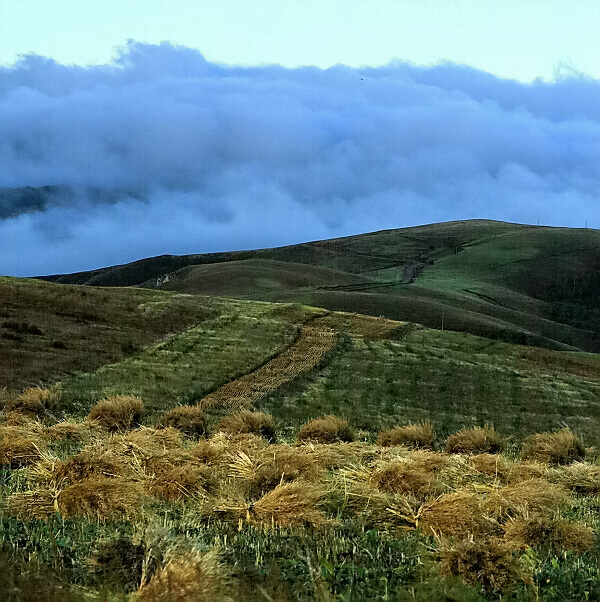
[[266, 123]]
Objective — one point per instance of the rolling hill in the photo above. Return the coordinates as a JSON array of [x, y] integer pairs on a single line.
[[523, 284]]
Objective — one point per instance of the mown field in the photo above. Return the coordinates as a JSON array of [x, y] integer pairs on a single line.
[[130, 477]]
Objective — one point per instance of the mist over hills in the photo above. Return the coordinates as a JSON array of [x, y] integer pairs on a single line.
[[525, 284]]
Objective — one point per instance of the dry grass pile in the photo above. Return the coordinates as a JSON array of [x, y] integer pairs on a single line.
[[557, 535], [192, 576], [491, 465], [489, 563], [524, 471], [91, 462], [583, 479], [405, 478], [252, 423], [435, 462], [14, 418], [208, 452], [101, 498], [475, 441], [289, 505], [415, 436], [328, 429], [560, 447], [190, 420], [68, 431], [457, 513], [173, 483], [535, 497], [32, 504], [19, 447], [34, 401], [118, 413], [147, 440], [270, 467]]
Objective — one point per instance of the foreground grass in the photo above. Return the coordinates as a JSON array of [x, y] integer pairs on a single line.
[[94, 514]]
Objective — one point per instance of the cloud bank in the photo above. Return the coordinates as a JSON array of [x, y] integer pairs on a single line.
[[162, 151]]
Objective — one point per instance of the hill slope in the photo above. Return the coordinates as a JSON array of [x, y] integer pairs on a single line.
[[524, 284]]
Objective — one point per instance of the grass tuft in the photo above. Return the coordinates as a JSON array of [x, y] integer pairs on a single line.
[[248, 423], [475, 441], [190, 420], [560, 447], [191, 576], [118, 413], [328, 429], [490, 564], [415, 436]]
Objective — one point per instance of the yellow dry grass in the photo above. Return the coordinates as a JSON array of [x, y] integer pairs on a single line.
[[328, 429], [415, 436], [560, 447], [454, 514], [193, 576], [118, 413], [101, 499], [557, 535], [475, 441], [248, 423], [190, 420], [489, 563], [534, 497]]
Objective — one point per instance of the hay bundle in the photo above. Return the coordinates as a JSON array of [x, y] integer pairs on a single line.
[[560, 447], [147, 440], [33, 401], [581, 478], [414, 436], [94, 461], [435, 462], [475, 441], [67, 431], [328, 429], [101, 498], [19, 447], [457, 513], [488, 563], [524, 471], [192, 576], [288, 505], [208, 452], [405, 478], [557, 535], [32, 504], [118, 413], [190, 420], [535, 497], [176, 482], [491, 465], [244, 423]]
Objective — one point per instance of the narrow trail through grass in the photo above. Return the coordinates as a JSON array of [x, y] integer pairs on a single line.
[[303, 354]]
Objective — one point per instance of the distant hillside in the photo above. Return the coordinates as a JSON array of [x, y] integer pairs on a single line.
[[526, 284]]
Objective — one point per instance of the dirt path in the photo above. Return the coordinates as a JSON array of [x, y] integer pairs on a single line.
[[303, 354]]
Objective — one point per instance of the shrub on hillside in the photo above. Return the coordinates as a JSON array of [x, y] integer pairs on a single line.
[[560, 447], [475, 441], [121, 412], [248, 423], [329, 429], [190, 420], [416, 436]]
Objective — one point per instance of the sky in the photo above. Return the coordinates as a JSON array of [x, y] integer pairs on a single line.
[[130, 129]]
